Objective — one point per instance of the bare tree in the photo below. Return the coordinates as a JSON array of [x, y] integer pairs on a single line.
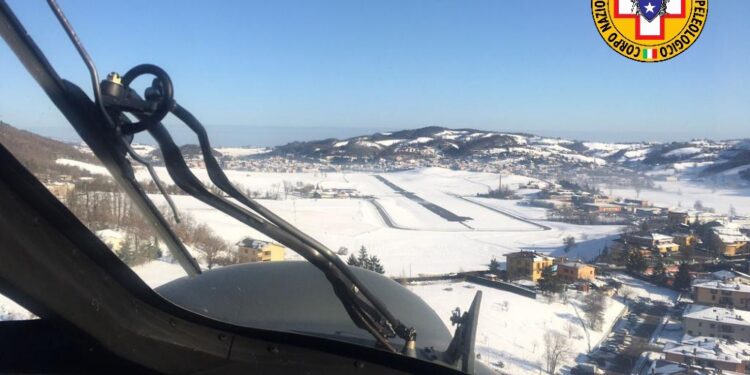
[[555, 350], [626, 230], [698, 205], [569, 243], [215, 250], [549, 298], [627, 293], [571, 329], [567, 213], [593, 308], [637, 186]]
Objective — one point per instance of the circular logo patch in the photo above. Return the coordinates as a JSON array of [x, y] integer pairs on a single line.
[[649, 30]]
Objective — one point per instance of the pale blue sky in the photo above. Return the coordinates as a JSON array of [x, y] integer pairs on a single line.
[[359, 66]]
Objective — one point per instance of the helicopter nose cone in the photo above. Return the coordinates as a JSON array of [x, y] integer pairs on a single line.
[[296, 297]]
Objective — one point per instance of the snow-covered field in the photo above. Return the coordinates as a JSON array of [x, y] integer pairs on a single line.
[[512, 327], [647, 290], [243, 151], [422, 242], [157, 273], [427, 244], [681, 193], [94, 169], [440, 186], [405, 213], [9, 310]]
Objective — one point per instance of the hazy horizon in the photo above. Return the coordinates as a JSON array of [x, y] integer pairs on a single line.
[[356, 67], [269, 136]]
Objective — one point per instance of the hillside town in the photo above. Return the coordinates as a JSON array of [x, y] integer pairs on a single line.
[[701, 255], [703, 329], [647, 287]]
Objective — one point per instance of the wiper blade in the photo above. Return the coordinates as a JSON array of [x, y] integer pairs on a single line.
[[93, 128], [110, 141], [363, 307], [219, 178], [113, 156], [98, 99]]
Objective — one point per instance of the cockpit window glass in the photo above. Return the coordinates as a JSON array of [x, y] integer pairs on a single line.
[[437, 149]]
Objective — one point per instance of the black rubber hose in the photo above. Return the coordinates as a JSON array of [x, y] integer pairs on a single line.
[[220, 179], [184, 178], [165, 103]]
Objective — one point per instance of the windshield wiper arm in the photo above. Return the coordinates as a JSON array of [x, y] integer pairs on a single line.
[[89, 122], [365, 309], [177, 249], [219, 178]]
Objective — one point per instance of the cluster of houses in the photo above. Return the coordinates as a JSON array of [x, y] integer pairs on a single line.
[[718, 235], [334, 193], [251, 250], [716, 329], [579, 206], [715, 335], [703, 355], [585, 201], [277, 164], [708, 237], [406, 156], [60, 189], [722, 235], [529, 266], [61, 185]]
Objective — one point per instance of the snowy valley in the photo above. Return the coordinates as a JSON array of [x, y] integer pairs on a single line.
[[421, 202]]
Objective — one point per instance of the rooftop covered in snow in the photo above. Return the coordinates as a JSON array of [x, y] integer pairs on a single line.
[[717, 314], [729, 233], [719, 285], [711, 349]]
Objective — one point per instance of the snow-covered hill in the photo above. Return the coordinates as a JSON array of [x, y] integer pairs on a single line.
[[438, 142], [698, 158], [470, 149], [717, 160]]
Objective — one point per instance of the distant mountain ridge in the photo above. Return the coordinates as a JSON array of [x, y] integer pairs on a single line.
[[423, 142], [701, 158], [698, 158]]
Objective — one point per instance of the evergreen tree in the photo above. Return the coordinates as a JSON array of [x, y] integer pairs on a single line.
[[636, 262], [151, 251], [645, 226], [660, 272], [687, 252], [375, 265], [550, 283], [353, 261], [126, 252], [365, 261], [494, 264], [682, 278]]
